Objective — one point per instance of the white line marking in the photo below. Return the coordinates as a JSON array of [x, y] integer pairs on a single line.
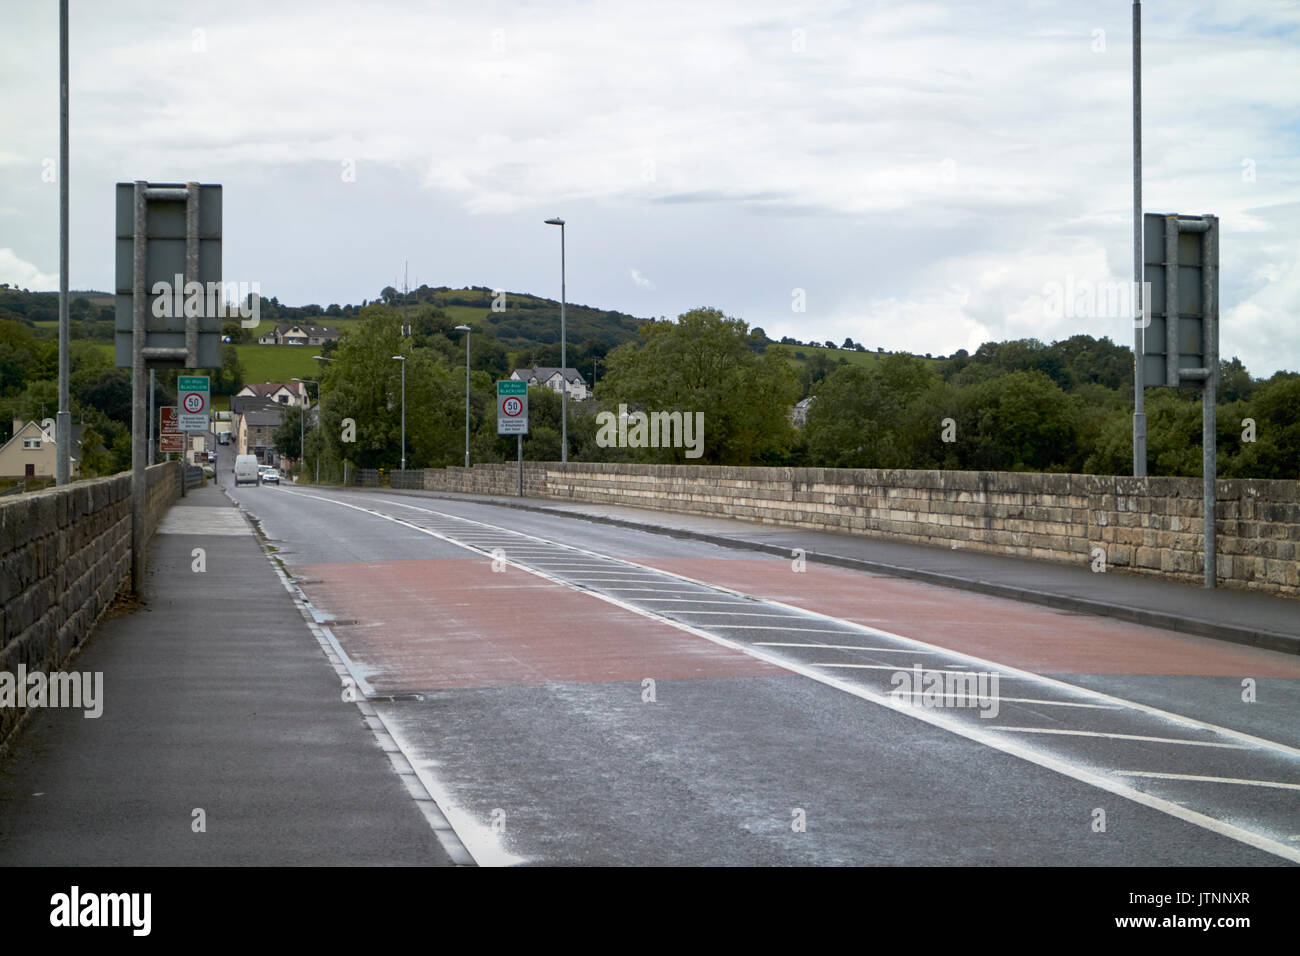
[[805, 630], [895, 667], [728, 613], [1191, 776], [1018, 700], [1097, 733], [845, 647], [937, 718]]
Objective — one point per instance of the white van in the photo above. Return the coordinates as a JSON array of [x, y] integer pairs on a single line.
[[246, 470]]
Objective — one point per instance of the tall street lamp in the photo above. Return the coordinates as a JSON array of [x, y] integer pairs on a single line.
[[320, 412], [402, 359], [302, 442], [564, 379], [466, 330]]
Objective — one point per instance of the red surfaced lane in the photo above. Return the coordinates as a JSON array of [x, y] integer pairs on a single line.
[[442, 624], [1020, 635]]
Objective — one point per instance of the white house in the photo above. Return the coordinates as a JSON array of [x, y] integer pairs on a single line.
[[294, 393], [555, 379], [299, 334], [32, 452]]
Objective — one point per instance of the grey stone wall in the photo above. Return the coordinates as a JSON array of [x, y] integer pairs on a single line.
[[65, 554], [1146, 526]]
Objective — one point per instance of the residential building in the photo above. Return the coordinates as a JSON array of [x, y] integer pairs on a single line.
[[799, 414], [554, 378], [33, 453], [294, 393], [299, 334], [255, 431]]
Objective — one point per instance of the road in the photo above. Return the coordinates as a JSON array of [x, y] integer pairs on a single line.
[[576, 693]]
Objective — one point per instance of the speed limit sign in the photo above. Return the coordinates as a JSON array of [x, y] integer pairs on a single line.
[[193, 391], [512, 407]]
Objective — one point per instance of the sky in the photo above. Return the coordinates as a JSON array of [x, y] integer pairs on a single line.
[[920, 176]]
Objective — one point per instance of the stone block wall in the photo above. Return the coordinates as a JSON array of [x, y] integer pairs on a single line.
[[1142, 525]]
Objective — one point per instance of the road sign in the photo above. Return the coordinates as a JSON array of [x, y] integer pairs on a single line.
[[178, 274], [194, 394], [1180, 345], [171, 440], [512, 407]]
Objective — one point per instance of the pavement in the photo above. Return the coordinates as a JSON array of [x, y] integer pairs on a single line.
[[1228, 614], [225, 738]]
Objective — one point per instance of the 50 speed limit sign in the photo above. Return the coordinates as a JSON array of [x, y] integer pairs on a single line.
[[194, 394], [512, 407]]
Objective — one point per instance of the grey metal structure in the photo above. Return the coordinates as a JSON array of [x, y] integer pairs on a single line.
[[1139, 326], [564, 364], [63, 420], [1182, 342], [163, 231], [402, 359], [466, 330]]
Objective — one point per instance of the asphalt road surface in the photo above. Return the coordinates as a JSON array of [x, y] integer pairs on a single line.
[[575, 693]]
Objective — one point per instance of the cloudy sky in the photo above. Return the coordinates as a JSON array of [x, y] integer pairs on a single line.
[[918, 175]]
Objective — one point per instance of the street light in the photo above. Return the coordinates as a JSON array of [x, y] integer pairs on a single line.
[[466, 330], [564, 381], [320, 412], [302, 440], [402, 359]]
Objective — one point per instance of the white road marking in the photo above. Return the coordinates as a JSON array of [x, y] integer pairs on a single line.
[[937, 717], [1097, 733], [845, 647], [895, 667], [1021, 700], [1191, 776]]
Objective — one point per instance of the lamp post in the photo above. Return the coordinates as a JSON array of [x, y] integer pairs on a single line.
[[564, 381], [402, 359], [466, 330], [302, 418], [320, 413]]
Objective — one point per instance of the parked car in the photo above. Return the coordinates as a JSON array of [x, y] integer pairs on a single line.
[[246, 470]]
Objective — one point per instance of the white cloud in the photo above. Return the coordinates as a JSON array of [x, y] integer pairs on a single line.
[[20, 273], [639, 280]]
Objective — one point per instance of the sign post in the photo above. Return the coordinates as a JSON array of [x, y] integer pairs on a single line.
[[1181, 345], [168, 241], [512, 417]]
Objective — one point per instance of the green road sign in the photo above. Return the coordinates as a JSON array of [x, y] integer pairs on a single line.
[[512, 407], [194, 394]]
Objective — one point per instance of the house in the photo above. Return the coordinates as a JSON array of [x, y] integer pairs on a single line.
[[291, 394], [33, 453], [799, 414], [299, 334], [255, 430], [552, 378]]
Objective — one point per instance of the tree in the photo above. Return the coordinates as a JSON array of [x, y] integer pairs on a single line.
[[703, 363], [859, 417], [288, 438], [364, 384]]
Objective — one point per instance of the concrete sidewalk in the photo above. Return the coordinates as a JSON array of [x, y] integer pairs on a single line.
[[1229, 614], [216, 697]]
